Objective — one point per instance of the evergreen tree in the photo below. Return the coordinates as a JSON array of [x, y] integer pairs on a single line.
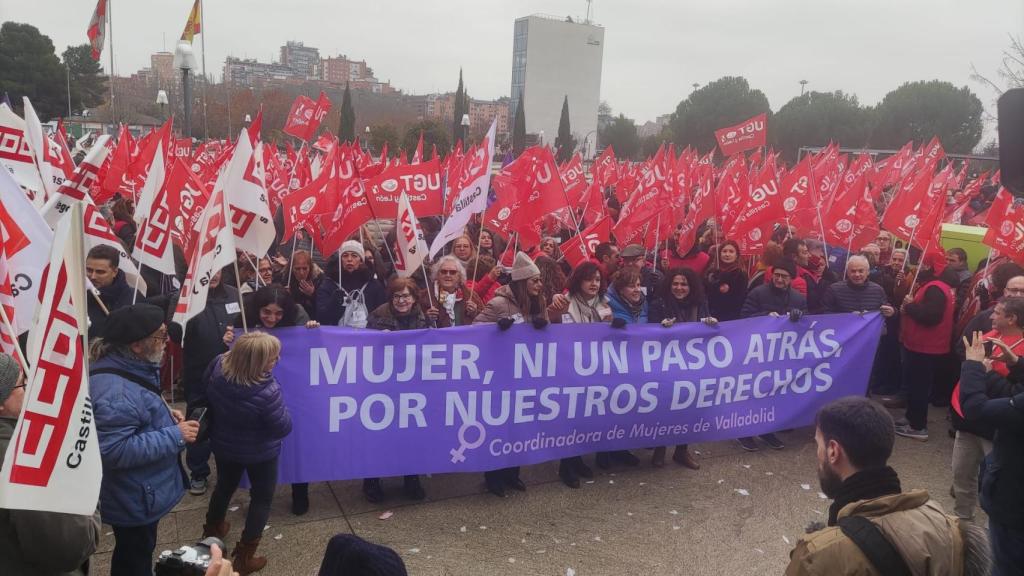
[[347, 129], [564, 142], [519, 129], [458, 110], [30, 67], [88, 83]]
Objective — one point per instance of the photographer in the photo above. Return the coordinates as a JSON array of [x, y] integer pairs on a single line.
[[988, 396]]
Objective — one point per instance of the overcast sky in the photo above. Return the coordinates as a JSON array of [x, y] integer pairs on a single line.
[[654, 49]]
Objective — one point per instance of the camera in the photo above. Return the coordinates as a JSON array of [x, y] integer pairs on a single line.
[[188, 560]]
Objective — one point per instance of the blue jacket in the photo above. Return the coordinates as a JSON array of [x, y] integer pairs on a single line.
[[620, 309], [139, 444], [249, 422]]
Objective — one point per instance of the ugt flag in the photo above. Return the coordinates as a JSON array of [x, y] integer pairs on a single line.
[[748, 134], [306, 115], [53, 462]]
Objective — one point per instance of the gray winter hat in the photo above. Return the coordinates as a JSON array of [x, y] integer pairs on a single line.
[[9, 371]]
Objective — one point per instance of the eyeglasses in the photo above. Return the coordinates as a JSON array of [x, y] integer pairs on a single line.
[[1014, 291], [448, 272]]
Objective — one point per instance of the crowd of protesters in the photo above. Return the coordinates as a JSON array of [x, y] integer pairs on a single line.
[[236, 413]]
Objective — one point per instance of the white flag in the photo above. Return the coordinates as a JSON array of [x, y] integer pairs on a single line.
[[27, 241], [412, 248], [214, 249], [472, 199], [246, 198], [153, 246], [53, 463], [16, 156], [77, 187], [51, 175]]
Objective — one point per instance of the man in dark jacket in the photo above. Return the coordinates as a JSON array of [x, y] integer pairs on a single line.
[[999, 402], [856, 293], [34, 543], [140, 437], [101, 266], [349, 292], [203, 341], [777, 297], [633, 255]]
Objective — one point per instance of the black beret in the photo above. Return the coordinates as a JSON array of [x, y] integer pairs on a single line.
[[132, 323], [789, 265]]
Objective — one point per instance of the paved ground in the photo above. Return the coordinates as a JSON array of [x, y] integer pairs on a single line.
[[740, 514]]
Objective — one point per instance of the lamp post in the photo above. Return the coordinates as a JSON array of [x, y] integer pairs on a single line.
[[367, 139], [185, 61], [161, 99], [695, 86], [583, 146], [802, 84], [540, 138], [465, 130]]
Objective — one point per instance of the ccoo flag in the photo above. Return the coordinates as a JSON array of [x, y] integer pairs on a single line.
[[53, 461], [412, 248]]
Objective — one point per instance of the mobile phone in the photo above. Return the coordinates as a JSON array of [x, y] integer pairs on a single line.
[[198, 414]]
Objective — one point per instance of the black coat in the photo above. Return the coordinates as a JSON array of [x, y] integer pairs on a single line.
[[766, 298], [661, 308], [726, 292], [847, 297], [1000, 403], [330, 299], [204, 337], [117, 295]]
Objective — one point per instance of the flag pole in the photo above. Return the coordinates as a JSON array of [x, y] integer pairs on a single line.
[[206, 79], [110, 30], [14, 340], [238, 284], [479, 238]]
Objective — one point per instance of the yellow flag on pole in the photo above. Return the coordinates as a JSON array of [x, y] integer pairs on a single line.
[[192, 25]]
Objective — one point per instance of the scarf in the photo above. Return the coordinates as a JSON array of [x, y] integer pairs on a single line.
[[864, 485], [584, 311]]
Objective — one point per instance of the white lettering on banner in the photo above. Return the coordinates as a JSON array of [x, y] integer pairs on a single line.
[[433, 364]]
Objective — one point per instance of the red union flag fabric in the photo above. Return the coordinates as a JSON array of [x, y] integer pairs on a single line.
[[306, 115], [299, 207], [97, 30], [77, 187], [54, 463], [412, 248], [186, 198], [539, 189], [1006, 226], [214, 249], [581, 247], [422, 182], [748, 134], [26, 243], [851, 220]]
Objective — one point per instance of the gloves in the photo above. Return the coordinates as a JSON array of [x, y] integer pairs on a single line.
[[618, 323], [539, 322], [668, 322], [795, 315], [505, 323]]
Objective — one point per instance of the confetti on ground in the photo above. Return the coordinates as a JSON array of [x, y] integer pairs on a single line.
[[572, 544], [414, 550], [590, 481], [570, 572], [675, 527], [805, 486], [697, 452], [720, 481], [769, 473], [523, 541], [278, 536], [463, 529], [816, 511], [643, 483], [511, 560], [673, 512], [629, 513], [742, 491], [267, 527], [747, 466], [233, 508], [109, 534], [386, 515], [611, 481], [597, 539], [758, 550], [822, 496], [785, 539], [483, 527], [540, 551]]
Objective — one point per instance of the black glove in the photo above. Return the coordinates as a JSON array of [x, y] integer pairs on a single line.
[[539, 322], [505, 323], [618, 323], [795, 315]]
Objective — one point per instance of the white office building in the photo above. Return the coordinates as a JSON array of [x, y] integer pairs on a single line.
[[553, 58]]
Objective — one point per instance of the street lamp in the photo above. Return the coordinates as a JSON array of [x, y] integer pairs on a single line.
[[465, 130], [540, 137], [367, 139], [802, 84], [161, 99], [695, 86], [185, 60]]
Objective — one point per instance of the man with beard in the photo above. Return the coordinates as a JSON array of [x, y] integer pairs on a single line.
[[873, 526], [350, 292], [140, 437]]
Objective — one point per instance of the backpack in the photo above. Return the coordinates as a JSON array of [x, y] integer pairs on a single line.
[[356, 314]]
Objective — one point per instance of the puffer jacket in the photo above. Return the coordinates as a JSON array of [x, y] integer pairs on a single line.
[[928, 540], [503, 305], [139, 443], [622, 309], [766, 299], [249, 421], [848, 297], [383, 318], [34, 543]]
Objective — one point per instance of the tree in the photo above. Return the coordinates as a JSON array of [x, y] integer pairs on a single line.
[[519, 129], [1011, 72], [816, 118], [385, 133], [620, 134], [88, 84], [347, 127], [724, 102], [565, 143], [458, 109], [29, 67], [434, 134], [920, 110]]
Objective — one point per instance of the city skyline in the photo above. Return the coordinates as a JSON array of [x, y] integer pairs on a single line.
[[866, 50]]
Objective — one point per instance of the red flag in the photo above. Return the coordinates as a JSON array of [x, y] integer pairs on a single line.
[[538, 187], [573, 180], [417, 155], [275, 178], [306, 115], [851, 220], [748, 134], [97, 30], [763, 204], [581, 247], [299, 206], [605, 169], [187, 195], [731, 192], [1006, 226], [422, 182]]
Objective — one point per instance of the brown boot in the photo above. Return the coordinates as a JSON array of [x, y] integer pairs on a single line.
[[683, 457], [244, 559], [218, 530], [658, 458]]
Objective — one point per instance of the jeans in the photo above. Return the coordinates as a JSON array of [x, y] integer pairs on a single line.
[[918, 377], [262, 477], [133, 550], [968, 452], [197, 454], [1007, 549]]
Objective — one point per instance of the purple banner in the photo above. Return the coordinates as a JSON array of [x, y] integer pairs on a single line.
[[367, 403]]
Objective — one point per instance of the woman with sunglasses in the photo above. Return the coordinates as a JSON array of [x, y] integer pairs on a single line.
[[454, 304]]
